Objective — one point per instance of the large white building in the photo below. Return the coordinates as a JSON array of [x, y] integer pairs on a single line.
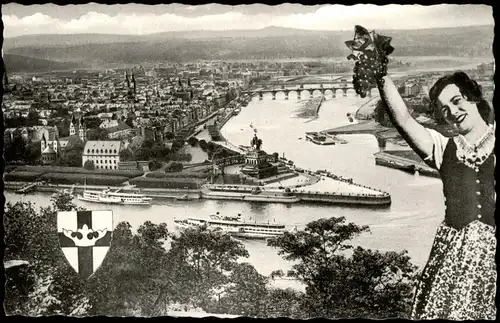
[[105, 154]]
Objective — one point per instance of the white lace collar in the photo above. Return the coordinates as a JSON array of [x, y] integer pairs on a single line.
[[475, 155]]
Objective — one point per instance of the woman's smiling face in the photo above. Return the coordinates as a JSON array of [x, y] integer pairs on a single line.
[[457, 110]]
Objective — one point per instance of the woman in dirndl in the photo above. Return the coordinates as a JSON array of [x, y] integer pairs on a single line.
[[459, 279]]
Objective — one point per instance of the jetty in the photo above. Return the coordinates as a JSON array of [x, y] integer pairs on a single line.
[[310, 109], [27, 188], [319, 104], [405, 160], [367, 127]]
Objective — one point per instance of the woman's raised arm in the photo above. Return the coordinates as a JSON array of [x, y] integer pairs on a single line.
[[414, 133]]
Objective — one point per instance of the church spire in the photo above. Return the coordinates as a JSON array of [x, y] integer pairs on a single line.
[[133, 80], [127, 79]]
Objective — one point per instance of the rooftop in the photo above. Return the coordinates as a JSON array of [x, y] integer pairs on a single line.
[[102, 147]]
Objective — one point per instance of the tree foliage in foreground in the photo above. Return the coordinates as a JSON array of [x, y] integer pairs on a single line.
[[47, 286], [343, 281], [152, 271]]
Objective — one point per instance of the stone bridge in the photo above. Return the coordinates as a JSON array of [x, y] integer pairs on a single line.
[[344, 87]]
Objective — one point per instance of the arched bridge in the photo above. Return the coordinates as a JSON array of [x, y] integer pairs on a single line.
[[344, 87]]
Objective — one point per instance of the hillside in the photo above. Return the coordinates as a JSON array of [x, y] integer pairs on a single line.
[[270, 42], [18, 63]]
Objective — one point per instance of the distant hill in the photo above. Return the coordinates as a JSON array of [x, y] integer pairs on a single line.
[[270, 42], [18, 63]]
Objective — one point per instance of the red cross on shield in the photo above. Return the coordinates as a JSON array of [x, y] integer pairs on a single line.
[[85, 238]]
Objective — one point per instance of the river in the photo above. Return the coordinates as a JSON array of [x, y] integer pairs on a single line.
[[409, 224]]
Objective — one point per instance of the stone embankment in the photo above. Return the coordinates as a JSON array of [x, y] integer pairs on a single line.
[[159, 193]]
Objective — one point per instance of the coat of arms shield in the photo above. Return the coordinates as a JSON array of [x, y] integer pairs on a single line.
[[85, 238]]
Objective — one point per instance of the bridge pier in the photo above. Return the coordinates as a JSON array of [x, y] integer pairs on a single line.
[[322, 88]]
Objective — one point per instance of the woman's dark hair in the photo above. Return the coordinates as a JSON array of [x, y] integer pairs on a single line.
[[469, 89]]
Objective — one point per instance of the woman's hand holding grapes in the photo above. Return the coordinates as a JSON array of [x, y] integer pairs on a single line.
[[370, 52]]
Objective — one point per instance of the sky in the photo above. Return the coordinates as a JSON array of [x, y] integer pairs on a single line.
[[141, 19]]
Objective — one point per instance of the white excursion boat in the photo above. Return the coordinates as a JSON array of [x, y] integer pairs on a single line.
[[108, 197], [235, 226]]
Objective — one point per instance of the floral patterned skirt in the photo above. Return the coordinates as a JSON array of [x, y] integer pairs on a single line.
[[459, 280]]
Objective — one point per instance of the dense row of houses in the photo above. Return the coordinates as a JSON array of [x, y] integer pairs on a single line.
[[124, 106]]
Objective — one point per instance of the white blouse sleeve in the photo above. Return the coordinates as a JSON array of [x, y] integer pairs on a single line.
[[440, 142]]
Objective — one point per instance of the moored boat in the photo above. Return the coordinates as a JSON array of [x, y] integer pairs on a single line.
[[319, 138], [248, 193], [108, 197], [184, 197], [235, 226]]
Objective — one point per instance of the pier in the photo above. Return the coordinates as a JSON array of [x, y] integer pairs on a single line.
[[405, 160], [25, 189], [319, 104]]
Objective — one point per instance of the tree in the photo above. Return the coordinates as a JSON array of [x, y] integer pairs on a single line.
[[193, 141], [93, 122], [49, 286], [71, 156], [142, 154], [97, 134], [89, 165], [15, 122], [125, 155], [367, 284], [177, 144], [33, 118], [174, 167], [203, 144], [132, 274], [169, 135], [199, 259], [159, 151], [63, 127], [284, 303], [130, 122], [154, 165], [246, 293], [148, 143]]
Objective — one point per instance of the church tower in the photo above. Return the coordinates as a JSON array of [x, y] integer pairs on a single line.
[[135, 88], [82, 129], [43, 143], [127, 79], [72, 126]]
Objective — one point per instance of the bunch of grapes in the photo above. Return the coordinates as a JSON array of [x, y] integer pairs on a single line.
[[368, 70]]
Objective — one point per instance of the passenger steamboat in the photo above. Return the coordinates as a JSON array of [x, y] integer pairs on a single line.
[[248, 193], [108, 197], [235, 226]]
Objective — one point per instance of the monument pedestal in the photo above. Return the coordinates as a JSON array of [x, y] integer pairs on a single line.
[[257, 166]]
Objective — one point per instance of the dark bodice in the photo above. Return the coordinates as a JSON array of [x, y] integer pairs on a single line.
[[469, 193]]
